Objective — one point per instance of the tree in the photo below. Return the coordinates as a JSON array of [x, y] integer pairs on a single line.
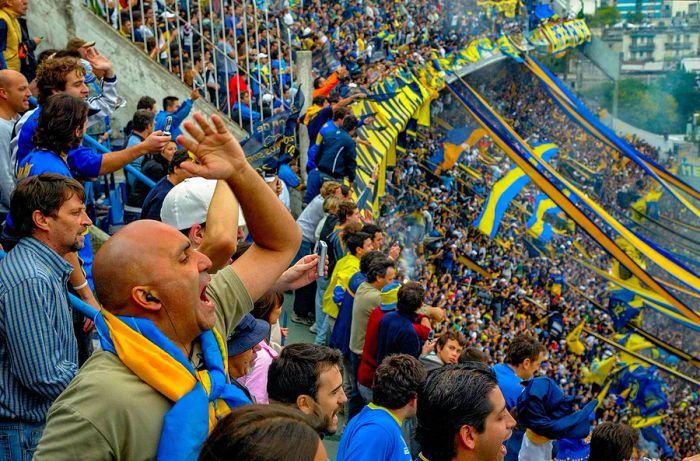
[[654, 108], [604, 16]]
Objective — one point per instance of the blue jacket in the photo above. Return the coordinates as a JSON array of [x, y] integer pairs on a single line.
[[337, 155], [178, 116], [397, 336]]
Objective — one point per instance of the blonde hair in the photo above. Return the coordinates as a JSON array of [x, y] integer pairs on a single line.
[[328, 188], [331, 204]]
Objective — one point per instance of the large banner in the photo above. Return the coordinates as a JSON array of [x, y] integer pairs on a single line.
[[558, 37]]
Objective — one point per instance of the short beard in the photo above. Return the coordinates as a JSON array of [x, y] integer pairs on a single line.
[[77, 245]]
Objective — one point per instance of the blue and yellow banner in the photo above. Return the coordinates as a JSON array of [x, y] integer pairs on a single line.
[[577, 111], [505, 190], [556, 38], [540, 172]]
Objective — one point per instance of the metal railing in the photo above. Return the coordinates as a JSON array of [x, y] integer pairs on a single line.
[[195, 44]]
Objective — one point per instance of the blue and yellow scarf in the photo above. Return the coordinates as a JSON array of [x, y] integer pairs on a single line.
[[200, 398]]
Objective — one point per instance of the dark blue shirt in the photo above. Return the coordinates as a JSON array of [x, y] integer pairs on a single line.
[[154, 199], [337, 155], [397, 336]]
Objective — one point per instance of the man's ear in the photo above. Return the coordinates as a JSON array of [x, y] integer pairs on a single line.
[[306, 404], [466, 437], [40, 220], [196, 235], [146, 298]]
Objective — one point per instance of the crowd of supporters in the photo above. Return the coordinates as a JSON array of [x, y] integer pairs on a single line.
[[421, 351]]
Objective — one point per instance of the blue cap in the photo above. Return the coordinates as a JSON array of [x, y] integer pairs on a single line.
[[543, 408], [249, 332]]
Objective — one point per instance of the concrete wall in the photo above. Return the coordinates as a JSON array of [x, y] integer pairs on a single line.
[[58, 20]]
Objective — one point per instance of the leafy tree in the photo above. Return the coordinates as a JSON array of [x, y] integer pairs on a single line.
[[604, 16], [654, 108]]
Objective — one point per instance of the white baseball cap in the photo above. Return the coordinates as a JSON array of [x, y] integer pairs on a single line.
[[187, 203]]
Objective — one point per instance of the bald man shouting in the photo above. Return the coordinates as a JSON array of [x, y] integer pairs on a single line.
[[14, 98], [158, 386]]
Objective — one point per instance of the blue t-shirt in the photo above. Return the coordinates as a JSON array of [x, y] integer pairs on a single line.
[[24, 139], [509, 383], [43, 161], [373, 435]]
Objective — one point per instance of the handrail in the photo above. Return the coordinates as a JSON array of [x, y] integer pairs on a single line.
[[92, 142]]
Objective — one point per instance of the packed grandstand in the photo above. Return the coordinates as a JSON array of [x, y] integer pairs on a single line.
[[478, 220]]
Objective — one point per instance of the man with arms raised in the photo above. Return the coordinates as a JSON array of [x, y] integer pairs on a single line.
[[158, 387], [462, 415]]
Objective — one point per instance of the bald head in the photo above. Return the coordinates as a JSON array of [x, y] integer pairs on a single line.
[[14, 93], [132, 258]]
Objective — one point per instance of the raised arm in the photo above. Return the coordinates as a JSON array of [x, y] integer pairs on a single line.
[[221, 237], [275, 235]]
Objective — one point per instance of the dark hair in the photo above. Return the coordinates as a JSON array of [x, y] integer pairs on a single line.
[[297, 369], [179, 156], [58, 121], [345, 209], [67, 54], [344, 190], [473, 354], [262, 433], [368, 258], [169, 101], [410, 298], [340, 113], [266, 304], [319, 100], [452, 396], [612, 442], [46, 193], [523, 347], [141, 120], [397, 380], [450, 335], [317, 83], [349, 123], [356, 240], [371, 229], [44, 55], [145, 102], [51, 75], [379, 268]]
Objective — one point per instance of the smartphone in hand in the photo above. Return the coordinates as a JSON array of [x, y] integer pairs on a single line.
[[168, 125], [321, 251]]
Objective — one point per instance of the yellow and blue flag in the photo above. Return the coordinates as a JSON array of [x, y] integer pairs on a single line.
[[536, 225], [505, 190], [455, 143]]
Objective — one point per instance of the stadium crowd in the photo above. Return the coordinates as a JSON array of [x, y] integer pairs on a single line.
[[434, 341]]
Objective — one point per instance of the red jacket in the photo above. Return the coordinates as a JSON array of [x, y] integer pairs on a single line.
[[368, 363]]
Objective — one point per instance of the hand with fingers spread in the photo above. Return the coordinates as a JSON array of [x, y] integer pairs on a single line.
[[217, 151]]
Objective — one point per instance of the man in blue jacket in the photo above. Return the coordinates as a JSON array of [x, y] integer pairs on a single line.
[[179, 112], [336, 158]]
